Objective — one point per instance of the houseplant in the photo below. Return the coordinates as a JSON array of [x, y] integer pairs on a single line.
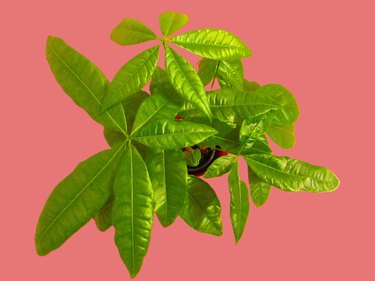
[[161, 141]]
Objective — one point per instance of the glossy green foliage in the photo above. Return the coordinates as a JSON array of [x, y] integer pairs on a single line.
[[220, 166], [130, 32], [83, 82], [291, 174], [185, 80], [168, 175], [239, 202], [132, 209], [212, 44], [131, 77], [259, 189], [202, 210], [76, 199], [170, 134], [170, 22], [157, 137]]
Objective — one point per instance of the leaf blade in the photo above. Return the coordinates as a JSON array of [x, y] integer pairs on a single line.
[[220, 166], [259, 189], [170, 22], [282, 135], [131, 31]]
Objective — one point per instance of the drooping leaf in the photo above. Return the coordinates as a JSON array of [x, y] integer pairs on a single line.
[[207, 70], [220, 166], [239, 202], [154, 108], [131, 77], [185, 80], [132, 212], [170, 134], [287, 111], [212, 44], [231, 74], [202, 210], [83, 82], [76, 199], [170, 22], [103, 219], [282, 135], [168, 173], [259, 189], [131, 31], [291, 174]]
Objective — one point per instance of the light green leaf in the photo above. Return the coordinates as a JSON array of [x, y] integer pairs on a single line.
[[252, 129], [291, 174], [212, 44], [76, 199], [207, 69], [239, 202], [170, 134], [103, 219], [288, 111], [168, 173], [192, 156], [185, 80], [202, 208], [170, 22], [231, 74], [220, 166], [282, 135], [131, 77], [83, 82], [130, 32], [154, 108], [132, 212], [260, 146], [259, 189]]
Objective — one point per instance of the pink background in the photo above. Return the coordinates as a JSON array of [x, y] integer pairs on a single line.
[[323, 51]]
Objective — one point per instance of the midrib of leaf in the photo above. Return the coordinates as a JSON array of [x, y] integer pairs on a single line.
[[132, 203], [165, 185], [284, 173], [199, 206], [187, 80], [79, 193], [205, 44], [142, 33], [137, 70], [170, 134], [227, 140], [89, 89]]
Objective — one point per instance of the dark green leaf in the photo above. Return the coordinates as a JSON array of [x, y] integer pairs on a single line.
[[103, 219], [192, 156], [259, 189], [170, 22], [83, 82], [130, 32], [132, 210], [168, 174], [76, 199], [185, 80], [131, 77], [239, 202], [212, 44], [207, 70], [220, 166], [202, 208], [291, 174], [250, 86]]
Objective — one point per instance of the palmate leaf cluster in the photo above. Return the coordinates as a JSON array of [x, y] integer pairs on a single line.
[[144, 170]]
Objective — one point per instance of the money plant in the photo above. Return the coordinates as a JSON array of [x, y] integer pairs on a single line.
[[195, 123]]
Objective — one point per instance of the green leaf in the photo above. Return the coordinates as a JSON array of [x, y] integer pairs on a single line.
[[231, 74], [260, 146], [185, 80], [192, 156], [76, 199], [282, 135], [170, 134], [220, 166], [212, 44], [131, 77], [103, 219], [251, 130], [130, 32], [170, 22], [288, 111], [259, 189], [132, 210], [202, 208], [250, 86], [291, 174], [207, 70], [154, 108], [83, 82], [239, 202], [168, 174]]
